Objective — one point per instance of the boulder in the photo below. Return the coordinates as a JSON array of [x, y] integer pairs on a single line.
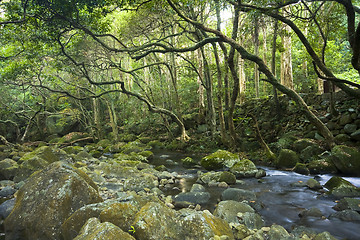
[[37, 160], [250, 220], [202, 225], [188, 162], [342, 138], [6, 208], [140, 181], [72, 226], [345, 119], [301, 144], [219, 160], [348, 203], [135, 146], [311, 153], [94, 230], [301, 169], [244, 168], [211, 177], [278, 232], [322, 166], [8, 168], [312, 212], [47, 199], [229, 209], [156, 221], [191, 198], [346, 159], [356, 135], [324, 236], [346, 215], [313, 184], [287, 158], [350, 128], [121, 214], [340, 188], [237, 194]]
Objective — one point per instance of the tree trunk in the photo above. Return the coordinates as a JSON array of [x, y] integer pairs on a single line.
[[113, 120], [256, 47], [242, 80], [200, 80], [219, 96], [286, 76], [211, 116]]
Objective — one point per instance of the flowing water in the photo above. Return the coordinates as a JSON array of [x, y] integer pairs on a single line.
[[282, 200]]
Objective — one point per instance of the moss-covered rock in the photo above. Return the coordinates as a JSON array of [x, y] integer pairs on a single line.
[[72, 226], [203, 225], [135, 146], [121, 214], [94, 230], [219, 159], [287, 158], [301, 168], [216, 177], [340, 188], [322, 166], [228, 210], [47, 199], [95, 153], [156, 221], [346, 159], [188, 162], [8, 168], [103, 143], [73, 149], [147, 154], [244, 168], [227, 177], [301, 144]]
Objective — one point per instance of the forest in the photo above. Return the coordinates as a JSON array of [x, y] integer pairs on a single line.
[[178, 119]]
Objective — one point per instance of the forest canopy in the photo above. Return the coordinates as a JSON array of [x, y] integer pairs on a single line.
[[104, 63]]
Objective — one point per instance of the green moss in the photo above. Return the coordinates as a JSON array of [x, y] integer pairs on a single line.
[[121, 214], [287, 158], [336, 182], [188, 162], [227, 177], [219, 159], [147, 154]]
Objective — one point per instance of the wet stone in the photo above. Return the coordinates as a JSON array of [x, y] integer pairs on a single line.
[[346, 215]]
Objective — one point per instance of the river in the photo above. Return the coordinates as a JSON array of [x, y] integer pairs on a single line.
[[282, 201]]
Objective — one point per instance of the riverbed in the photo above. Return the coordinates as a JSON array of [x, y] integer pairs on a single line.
[[281, 193]]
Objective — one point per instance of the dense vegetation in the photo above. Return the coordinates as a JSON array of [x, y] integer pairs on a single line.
[[100, 65]]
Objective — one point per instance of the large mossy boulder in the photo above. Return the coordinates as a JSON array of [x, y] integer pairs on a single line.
[[94, 230], [72, 226], [156, 221], [203, 225], [36, 160], [47, 199], [219, 160], [287, 159], [340, 188], [346, 159], [244, 168], [322, 166]]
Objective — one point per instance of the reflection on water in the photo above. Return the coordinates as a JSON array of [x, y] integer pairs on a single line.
[[282, 200]]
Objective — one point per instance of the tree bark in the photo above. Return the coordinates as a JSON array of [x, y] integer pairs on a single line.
[[286, 76]]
